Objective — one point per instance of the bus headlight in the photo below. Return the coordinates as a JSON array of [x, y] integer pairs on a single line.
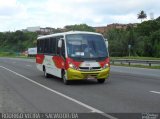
[[106, 66], [72, 66]]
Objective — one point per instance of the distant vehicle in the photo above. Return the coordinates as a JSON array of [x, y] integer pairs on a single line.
[[74, 55], [32, 52], [25, 53]]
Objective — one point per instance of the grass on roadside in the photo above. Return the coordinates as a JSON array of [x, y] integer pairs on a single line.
[[7, 54], [138, 58], [14, 55], [139, 66]]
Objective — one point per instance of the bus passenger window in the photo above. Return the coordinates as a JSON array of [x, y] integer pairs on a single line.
[[58, 49]]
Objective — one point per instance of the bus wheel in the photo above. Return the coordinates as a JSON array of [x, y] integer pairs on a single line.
[[46, 74], [101, 80], [65, 81]]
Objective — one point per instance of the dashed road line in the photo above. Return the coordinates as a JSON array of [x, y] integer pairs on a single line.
[[156, 92]]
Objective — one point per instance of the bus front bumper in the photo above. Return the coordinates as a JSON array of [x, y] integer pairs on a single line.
[[73, 74]]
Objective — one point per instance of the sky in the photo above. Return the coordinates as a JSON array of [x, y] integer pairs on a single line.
[[20, 14]]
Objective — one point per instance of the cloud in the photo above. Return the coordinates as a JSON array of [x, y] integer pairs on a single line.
[[18, 14], [11, 8]]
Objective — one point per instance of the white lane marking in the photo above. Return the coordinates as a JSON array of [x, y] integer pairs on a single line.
[[155, 92], [63, 95]]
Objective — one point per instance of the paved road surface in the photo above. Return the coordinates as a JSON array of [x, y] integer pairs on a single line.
[[130, 90]]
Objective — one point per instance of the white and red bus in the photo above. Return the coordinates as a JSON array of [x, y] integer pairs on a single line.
[[73, 55]]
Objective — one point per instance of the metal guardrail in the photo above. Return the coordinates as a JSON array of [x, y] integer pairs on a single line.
[[135, 61]]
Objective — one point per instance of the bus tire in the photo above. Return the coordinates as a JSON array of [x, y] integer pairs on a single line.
[[45, 73], [101, 80], [65, 81]]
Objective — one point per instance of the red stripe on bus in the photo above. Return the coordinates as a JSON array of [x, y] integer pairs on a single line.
[[69, 60], [106, 61], [59, 62], [39, 58]]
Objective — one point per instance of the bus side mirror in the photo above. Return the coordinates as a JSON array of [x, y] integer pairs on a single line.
[[60, 43]]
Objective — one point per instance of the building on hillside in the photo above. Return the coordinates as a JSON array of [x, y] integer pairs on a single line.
[[44, 31], [33, 29], [103, 29], [39, 30]]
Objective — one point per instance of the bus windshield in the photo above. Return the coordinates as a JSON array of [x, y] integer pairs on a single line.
[[86, 47]]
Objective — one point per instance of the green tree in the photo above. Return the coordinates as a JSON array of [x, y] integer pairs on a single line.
[[118, 42], [147, 27], [17, 41], [142, 15], [155, 42], [80, 27]]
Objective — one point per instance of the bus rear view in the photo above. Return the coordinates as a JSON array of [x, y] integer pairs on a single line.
[[83, 55]]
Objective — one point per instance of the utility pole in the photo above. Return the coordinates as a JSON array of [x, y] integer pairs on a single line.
[[129, 48]]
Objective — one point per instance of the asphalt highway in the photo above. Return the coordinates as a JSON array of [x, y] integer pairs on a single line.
[[23, 88]]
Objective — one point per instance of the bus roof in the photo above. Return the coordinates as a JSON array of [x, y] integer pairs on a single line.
[[66, 33]]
